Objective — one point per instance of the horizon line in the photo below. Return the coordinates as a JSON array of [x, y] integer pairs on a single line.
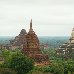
[[39, 36]]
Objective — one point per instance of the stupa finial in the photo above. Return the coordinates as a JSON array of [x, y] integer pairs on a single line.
[[31, 24]]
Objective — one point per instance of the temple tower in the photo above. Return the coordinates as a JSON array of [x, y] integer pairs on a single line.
[[71, 40], [67, 49], [33, 46], [32, 42], [29, 43]]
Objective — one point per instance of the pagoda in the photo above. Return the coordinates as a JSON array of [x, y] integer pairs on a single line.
[[32, 47], [71, 40], [19, 40], [67, 49], [32, 39]]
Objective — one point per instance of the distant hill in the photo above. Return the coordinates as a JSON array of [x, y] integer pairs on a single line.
[[53, 42], [5, 39]]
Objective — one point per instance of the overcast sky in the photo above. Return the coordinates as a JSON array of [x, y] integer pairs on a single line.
[[50, 17]]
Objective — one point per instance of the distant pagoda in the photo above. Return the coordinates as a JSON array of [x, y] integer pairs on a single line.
[[67, 49], [19, 40]]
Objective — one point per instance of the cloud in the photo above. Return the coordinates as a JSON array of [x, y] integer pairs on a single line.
[[39, 2], [16, 14]]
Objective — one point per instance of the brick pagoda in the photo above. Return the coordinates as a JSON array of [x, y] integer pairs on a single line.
[[31, 47], [29, 43]]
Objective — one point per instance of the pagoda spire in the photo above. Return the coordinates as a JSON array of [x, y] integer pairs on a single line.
[[31, 26]]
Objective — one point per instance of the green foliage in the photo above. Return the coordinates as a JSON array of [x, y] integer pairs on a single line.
[[52, 54], [7, 71], [17, 61], [71, 66], [38, 70], [5, 54], [53, 68], [58, 67], [20, 63]]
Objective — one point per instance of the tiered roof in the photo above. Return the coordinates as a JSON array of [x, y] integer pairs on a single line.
[[67, 48]]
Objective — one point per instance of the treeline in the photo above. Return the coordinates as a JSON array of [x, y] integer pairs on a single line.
[[58, 67], [53, 42], [15, 62]]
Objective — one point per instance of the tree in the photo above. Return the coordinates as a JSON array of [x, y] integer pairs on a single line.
[[71, 66], [20, 63], [54, 68], [5, 54], [65, 66]]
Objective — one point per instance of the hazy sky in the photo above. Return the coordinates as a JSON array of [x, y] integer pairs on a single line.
[[50, 17]]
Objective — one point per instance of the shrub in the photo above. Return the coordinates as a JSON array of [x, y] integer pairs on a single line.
[[20, 63], [6, 71]]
